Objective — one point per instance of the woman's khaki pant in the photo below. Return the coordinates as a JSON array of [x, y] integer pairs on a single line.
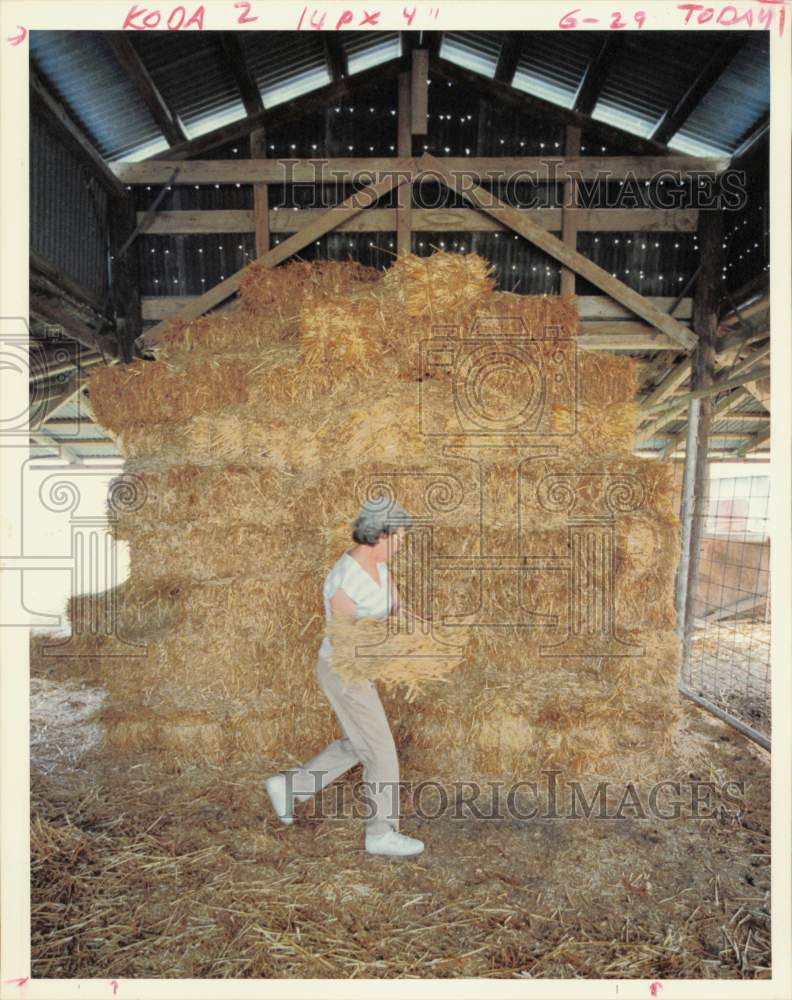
[[368, 741]]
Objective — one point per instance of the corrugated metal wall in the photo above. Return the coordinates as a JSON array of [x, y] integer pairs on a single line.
[[67, 220], [461, 123]]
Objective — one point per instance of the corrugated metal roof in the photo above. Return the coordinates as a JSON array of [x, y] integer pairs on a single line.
[[735, 103], [552, 63], [651, 72], [193, 75], [285, 64], [475, 50], [649, 76], [82, 71], [365, 49]]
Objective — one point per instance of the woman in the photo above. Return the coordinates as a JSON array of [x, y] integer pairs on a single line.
[[358, 585]]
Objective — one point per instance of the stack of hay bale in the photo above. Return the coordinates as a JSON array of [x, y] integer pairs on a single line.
[[257, 433]]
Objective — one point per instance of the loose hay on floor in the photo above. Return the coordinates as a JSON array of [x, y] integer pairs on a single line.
[[136, 876]]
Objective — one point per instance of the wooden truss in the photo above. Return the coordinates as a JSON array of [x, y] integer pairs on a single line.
[[621, 320]]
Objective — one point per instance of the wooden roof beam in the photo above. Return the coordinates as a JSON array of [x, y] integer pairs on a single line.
[[720, 414], [509, 56], [755, 442], [746, 372], [759, 130], [130, 61], [487, 169], [335, 56], [713, 69], [65, 451], [247, 86], [596, 72]]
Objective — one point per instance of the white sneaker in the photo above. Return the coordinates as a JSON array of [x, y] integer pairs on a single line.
[[394, 843], [276, 789]]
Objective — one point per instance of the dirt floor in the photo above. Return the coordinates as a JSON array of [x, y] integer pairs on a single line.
[[136, 873]]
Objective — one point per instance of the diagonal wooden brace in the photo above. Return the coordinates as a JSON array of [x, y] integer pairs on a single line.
[[487, 202], [329, 220]]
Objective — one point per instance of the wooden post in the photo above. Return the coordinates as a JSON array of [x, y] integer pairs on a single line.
[[568, 213], [404, 148], [258, 151], [705, 324], [419, 98], [482, 130], [124, 271], [686, 515]]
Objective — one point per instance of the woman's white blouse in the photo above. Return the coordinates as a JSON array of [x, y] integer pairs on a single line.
[[372, 601]]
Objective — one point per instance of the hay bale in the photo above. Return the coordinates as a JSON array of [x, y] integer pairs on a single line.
[[439, 287], [515, 713], [399, 651], [279, 292], [255, 439], [145, 393]]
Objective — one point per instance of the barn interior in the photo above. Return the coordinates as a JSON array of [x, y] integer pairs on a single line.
[[227, 230]]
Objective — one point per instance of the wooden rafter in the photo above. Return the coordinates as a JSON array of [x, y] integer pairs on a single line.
[[48, 369], [509, 56], [760, 390], [46, 440], [237, 64], [598, 313], [720, 413], [355, 203], [679, 374], [711, 71], [64, 281], [636, 303], [285, 113], [335, 56], [755, 442], [623, 337], [596, 72], [52, 402], [712, 390], [130, 61]]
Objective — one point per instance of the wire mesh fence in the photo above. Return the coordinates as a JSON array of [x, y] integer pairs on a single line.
[[727, 652]]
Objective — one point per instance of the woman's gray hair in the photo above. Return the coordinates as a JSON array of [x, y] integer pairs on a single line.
[[378, 516]]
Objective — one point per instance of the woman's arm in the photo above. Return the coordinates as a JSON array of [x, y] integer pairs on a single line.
[[395, 599], [341, 604]]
